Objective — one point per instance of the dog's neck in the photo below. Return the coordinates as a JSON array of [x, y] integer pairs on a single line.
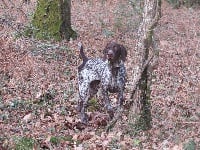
[[115, 64]]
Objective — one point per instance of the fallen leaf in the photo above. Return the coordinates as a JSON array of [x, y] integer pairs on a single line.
[[27, 118]]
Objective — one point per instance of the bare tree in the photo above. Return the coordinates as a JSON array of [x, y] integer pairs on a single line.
[[140, 114], [52, 20], [145, 51]]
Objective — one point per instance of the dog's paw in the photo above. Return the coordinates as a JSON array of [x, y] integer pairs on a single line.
[[110, 111], [84, 119]]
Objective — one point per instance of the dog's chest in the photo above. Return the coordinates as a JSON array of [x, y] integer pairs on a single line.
[[114, 83]]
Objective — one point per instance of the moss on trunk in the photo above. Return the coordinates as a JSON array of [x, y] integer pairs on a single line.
[[52, 20], [144, 121]]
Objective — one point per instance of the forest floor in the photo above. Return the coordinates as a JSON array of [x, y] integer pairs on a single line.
[[38, 81]]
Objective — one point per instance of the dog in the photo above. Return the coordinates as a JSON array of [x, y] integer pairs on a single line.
[[107, 73]]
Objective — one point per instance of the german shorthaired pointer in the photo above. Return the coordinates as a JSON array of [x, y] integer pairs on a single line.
[[108, 74]]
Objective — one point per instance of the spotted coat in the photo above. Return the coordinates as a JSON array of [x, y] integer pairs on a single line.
[[100, 73]]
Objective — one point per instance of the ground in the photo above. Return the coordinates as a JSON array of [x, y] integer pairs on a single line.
[[38, 82]]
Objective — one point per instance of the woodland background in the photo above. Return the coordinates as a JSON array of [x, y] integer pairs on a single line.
[[38, 83]]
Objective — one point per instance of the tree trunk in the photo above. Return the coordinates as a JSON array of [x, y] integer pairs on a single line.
[[140, 108], [52, 20]]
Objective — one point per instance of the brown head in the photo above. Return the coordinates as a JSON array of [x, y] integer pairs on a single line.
[[114, 52]]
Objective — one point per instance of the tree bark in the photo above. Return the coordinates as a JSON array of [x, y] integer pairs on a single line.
[[52, 20], [65, 29], [140, 108]]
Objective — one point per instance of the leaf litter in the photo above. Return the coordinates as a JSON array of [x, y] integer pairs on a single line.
[[38, 86]]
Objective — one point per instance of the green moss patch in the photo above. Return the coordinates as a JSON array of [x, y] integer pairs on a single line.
[[47, 20]]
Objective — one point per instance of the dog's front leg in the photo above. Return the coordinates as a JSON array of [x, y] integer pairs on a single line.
[[82, 106], [107, 102], [84, 117], [120, 97]]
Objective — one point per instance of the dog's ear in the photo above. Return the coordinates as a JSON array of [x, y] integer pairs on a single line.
[[123, 53], [105, 52]]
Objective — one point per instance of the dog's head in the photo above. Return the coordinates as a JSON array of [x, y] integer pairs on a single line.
[[114, 52]]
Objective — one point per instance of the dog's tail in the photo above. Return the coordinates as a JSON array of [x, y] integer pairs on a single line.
[[82, 54]]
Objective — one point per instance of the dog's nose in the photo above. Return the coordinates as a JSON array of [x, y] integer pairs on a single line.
[[110, 54]]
